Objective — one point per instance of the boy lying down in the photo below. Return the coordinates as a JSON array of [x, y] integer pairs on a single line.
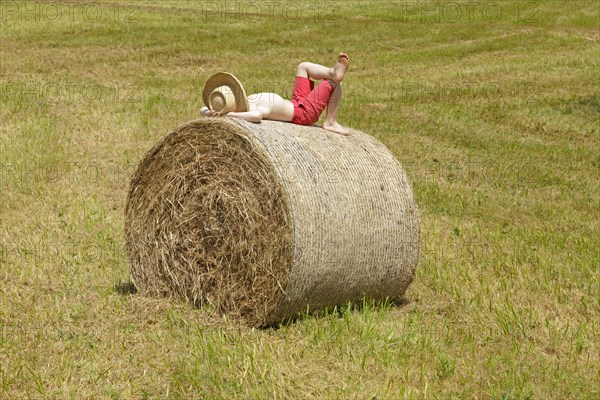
[[224, 95]]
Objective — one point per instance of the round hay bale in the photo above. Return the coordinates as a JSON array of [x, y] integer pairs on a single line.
[[265, 221]]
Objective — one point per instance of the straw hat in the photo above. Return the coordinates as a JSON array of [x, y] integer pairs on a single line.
[[224, 92]]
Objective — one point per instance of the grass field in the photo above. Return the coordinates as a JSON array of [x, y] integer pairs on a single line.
[[493, 108]]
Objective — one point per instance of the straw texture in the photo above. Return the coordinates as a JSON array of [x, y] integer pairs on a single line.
[[264, 221]]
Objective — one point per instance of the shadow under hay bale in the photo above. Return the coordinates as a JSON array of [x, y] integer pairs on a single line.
[[261, 221]]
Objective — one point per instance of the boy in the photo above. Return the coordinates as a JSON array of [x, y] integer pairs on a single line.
[[307, 102]]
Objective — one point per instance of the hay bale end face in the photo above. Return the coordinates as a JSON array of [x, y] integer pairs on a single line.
[[264, 221]]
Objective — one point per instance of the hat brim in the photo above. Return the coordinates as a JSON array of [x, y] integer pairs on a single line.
[[226, 79]]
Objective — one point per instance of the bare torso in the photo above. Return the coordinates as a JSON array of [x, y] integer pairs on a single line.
[[272, 106]]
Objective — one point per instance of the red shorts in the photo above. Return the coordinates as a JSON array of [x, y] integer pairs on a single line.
[[309, 102]]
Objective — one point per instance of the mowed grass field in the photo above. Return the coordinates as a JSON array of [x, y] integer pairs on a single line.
[[492, 108]]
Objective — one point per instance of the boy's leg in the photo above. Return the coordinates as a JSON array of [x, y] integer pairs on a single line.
[[327, 94], [317, 72], [330, 122], [333, 103]]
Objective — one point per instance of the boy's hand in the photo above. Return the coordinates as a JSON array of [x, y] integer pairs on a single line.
[[207, 112]]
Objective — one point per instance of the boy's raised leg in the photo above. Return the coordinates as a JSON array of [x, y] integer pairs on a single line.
[[317, 72]]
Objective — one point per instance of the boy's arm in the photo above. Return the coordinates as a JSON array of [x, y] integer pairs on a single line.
[[250, 116], [207, 112]]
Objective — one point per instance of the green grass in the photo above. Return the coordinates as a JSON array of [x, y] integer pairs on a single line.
[[494, 116]]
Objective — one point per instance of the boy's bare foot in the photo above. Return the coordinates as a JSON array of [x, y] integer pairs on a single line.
[[340, 67], [336, 127]]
